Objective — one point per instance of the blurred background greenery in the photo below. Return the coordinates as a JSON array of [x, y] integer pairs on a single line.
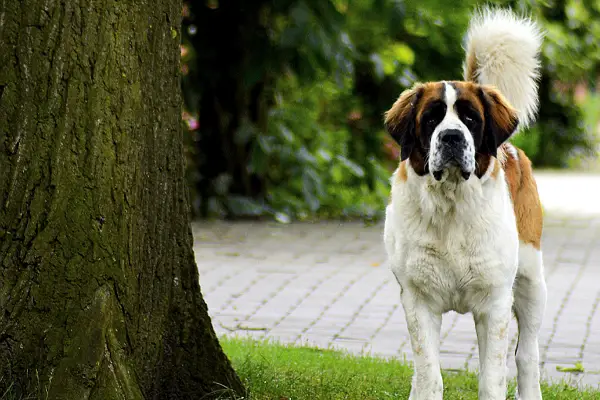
[[284, 99]]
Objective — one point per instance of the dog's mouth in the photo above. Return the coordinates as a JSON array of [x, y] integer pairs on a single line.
[[453, 160], [439, 174]]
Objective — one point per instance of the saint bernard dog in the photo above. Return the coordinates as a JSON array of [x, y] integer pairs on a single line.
[[464, 222]]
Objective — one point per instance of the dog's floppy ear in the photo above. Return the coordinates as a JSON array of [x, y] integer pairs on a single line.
[[501, 120], [400, 120]]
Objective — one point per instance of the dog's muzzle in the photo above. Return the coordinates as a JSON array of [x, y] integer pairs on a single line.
[[451, 151]]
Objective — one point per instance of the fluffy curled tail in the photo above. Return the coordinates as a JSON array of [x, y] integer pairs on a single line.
[[502, 49]]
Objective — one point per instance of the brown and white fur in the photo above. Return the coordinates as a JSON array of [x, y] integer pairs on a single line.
[[464, 223]]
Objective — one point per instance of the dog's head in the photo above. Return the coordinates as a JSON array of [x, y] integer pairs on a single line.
[[445, 125]]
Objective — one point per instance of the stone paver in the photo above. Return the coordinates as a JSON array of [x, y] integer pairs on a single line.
[[327, 284]]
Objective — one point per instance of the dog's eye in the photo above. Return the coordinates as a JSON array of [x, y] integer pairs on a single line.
[[431, 121], [434, 114], [468, 119], [467, 113]]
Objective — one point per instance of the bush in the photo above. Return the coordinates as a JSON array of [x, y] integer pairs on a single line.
[[306, 158], [560, 132]]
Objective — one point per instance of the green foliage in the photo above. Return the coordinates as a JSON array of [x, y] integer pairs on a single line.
[[578, 367], [570, 55], [290, 95], [239, 53], [307, 159], [277, 371], [559, 133]]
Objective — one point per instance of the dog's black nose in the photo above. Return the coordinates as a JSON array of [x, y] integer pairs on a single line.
[[452, 137]]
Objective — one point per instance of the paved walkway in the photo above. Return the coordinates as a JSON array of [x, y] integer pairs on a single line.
[[327, 284]]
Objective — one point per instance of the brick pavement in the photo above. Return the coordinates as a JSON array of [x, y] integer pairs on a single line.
[[327, 284]]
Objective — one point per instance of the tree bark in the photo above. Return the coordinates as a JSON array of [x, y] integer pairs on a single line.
[[99, 292]]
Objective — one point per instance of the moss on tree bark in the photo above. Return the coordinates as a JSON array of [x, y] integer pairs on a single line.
[[99, 293]]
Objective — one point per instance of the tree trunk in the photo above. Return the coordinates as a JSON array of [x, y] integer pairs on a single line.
[[99, 293]]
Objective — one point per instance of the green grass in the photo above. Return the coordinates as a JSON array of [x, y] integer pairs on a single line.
[[274, 371]]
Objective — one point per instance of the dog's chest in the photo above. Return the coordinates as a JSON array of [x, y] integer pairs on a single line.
[[453, 255], [454, 272]]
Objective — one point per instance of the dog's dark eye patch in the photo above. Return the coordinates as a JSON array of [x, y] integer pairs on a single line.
[[467, 113], [433, 114]]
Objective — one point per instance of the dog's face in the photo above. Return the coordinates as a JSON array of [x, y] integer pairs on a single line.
[[443, 125]]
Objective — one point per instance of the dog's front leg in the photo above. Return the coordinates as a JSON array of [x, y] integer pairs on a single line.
[[491, 324], [424, 330]]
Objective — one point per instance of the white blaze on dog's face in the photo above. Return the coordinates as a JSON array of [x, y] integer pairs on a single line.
[[452, 143], [442, 126]]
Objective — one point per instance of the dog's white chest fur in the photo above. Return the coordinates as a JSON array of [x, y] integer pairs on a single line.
[[454, 242]]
